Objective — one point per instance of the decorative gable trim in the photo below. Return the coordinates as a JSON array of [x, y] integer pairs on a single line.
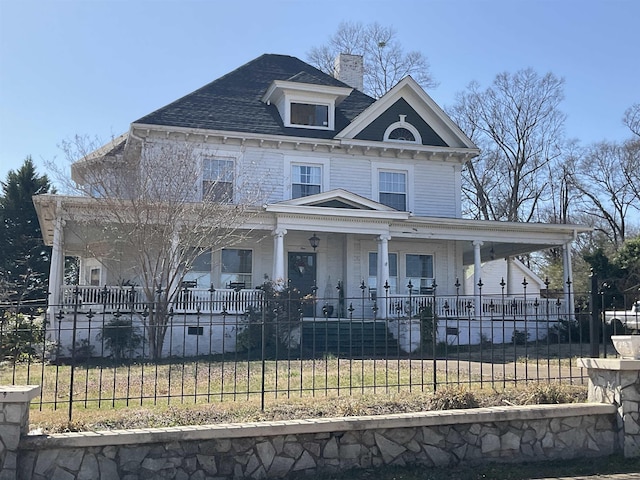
[[325, 203], [423, 105]]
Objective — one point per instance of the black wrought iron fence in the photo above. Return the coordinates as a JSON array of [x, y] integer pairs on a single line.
[[93, 351]]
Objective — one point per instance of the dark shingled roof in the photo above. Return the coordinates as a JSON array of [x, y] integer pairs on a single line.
[[233, 102]]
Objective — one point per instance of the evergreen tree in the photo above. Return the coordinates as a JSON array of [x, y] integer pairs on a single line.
[[24, 259]]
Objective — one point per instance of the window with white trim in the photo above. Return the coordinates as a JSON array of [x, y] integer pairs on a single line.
[[309, 114], [393, 271], [199, 273], [392, 187], [419, 270], [305, 180], [217, 180], [236, 268]]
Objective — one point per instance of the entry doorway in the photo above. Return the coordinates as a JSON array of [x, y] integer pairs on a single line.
[[302, 276]]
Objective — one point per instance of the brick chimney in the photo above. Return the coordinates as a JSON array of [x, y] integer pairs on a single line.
[[350, 70]]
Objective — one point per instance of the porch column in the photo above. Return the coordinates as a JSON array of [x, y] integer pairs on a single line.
[[383, 265], [568, 275], [56, 269], [278, 256], [509, 275], [477, 276]]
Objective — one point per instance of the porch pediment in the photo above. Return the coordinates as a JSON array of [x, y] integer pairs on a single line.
[[337, 202]]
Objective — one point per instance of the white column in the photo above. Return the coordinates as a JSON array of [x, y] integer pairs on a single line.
[[477, 276], [278, 256], [383, 265], [509, 276], [568, 275], [56, 269]]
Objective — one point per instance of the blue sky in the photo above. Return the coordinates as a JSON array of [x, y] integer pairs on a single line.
[[93, 67]]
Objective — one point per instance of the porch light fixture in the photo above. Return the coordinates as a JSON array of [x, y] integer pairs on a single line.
[[314, 241]]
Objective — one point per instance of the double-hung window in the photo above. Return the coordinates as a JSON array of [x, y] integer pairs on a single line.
[[199, 272], [217, 180], [236, 268], [305, 180], [419, 270], [393, 189], [393, 271]]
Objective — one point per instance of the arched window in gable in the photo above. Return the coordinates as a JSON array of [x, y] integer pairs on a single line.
[[402, 131]]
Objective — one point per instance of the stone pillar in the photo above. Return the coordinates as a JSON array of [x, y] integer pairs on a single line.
[[14, 422], [617, 381]]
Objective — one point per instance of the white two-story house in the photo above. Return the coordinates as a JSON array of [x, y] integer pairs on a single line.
[[358, 192]]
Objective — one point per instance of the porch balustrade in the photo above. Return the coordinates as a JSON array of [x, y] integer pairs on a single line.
[[463, 306], [234, 301], [189, 300]]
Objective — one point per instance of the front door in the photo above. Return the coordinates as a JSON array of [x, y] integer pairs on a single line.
[[302, 276]]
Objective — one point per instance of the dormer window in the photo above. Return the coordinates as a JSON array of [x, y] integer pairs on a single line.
[[309, 114], [402, 131], [305, 105]]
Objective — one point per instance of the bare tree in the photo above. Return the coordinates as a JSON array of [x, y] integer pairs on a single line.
[[601, 176], [385, 62], [632, 119], [517, 124], [146, 212]]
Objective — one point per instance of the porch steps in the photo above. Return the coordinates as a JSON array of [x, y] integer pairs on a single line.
[[353, 339]]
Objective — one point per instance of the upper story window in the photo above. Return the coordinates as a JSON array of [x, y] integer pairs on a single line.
[[402, 134], [393, 189], [309, 114], [217, 180], [305, 105], [402, 131], [305, 180]]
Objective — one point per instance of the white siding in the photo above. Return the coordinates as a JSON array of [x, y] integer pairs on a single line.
[[435, 190], [352, 174]]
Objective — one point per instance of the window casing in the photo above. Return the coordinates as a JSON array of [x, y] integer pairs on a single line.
[[309, 114], [305, 180], [393, 272], [217, 180], [236, 268], [392, 188], [199, 274], [419, 271]]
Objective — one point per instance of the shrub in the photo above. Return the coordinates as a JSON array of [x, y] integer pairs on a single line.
[[551, 393], [453, 396], [120, 337], [21, 336]]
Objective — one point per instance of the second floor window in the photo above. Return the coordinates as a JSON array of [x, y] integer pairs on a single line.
[[217, 180], [393, 190], [305, 181]]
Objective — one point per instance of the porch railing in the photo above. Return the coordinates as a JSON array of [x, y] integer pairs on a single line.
[[190, 300], [463, 306]]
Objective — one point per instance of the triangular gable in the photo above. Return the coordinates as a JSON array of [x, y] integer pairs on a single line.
[[337, 198], [441, 129]]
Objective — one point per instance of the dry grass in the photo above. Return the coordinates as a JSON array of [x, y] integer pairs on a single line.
[[302, 407]]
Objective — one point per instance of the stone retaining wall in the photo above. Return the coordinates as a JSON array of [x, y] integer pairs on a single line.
[[304, 447]]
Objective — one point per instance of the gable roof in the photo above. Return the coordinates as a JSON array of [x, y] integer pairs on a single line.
[[233, 102], [442, 131]]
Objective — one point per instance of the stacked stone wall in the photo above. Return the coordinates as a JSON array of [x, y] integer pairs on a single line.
[[301, 448]]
